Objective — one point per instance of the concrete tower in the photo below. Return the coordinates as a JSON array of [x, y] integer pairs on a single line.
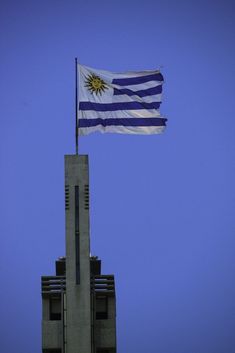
[[78, 303], [77, 254]]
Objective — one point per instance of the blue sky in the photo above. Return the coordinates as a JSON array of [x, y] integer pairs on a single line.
[[162, 207]]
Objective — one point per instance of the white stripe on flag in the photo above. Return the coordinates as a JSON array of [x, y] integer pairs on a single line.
[[138, 87], [142, 130], [119, 114], [147, 99]]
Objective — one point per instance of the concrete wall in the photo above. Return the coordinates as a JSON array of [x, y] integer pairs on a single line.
[[78, 329], [105, 330], [52, 334], [105, 334], [51, 330]]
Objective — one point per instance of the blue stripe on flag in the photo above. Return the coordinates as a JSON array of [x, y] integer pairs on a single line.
[[122, 122], [142, 93], [102, 107], [136, 80]]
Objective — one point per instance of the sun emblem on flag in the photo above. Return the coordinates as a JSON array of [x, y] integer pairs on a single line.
[[95, 84]]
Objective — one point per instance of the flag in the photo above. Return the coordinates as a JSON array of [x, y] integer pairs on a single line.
[[126, 102]]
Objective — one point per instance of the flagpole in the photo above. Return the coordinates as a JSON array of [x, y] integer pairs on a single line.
[[76, 104]]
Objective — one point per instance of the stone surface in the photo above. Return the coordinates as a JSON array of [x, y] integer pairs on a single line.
[[78, 295]]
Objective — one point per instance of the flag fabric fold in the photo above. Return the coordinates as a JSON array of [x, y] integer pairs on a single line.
[[126, 102]]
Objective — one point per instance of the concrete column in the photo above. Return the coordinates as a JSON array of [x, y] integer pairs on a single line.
[[78, 330]]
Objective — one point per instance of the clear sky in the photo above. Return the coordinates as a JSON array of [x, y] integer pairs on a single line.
[[162, 206]]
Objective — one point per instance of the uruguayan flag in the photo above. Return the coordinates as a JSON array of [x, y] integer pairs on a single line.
[[119, 102]]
